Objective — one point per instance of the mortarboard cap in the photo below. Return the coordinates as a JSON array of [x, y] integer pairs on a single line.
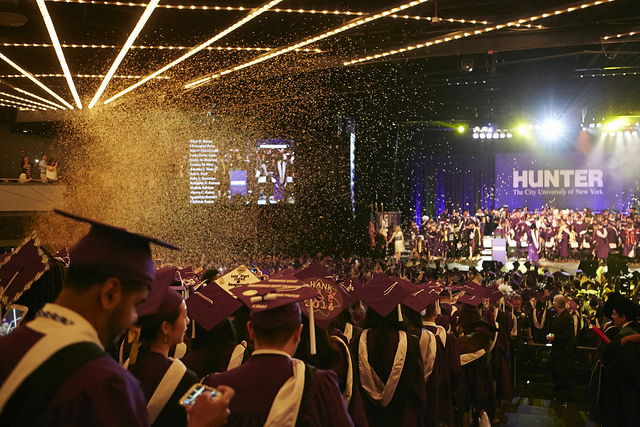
[[351, 287], [421, 298], [114, 250], [383, 294], [162, 301], [622, 306], [20, 269], [330, 302], [239, 276], [210, 305], [272, 301], [469, 299]]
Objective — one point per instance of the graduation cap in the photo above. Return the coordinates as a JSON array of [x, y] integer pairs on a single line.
[[422, 297], [20, 269], [330, 302], [273, 303], [622, 306], [351, 287], [115, 250], [285, 272], [472, 300], [472, 288], [383, 294], [162, 301], [239, 276], [210, 305]]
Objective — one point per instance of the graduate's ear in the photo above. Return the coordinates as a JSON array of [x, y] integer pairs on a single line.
[[297, 333], [252, 334], [110, 293]]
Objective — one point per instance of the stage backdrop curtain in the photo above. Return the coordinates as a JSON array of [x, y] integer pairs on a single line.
[[442, 181]]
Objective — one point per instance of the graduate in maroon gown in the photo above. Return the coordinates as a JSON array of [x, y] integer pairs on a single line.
[[163, 322], [272, 388], [474, 394], [215, 346], [54, 370], [389, 364]]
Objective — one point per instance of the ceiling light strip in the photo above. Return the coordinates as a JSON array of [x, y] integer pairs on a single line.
[[83, 76], [439, 19], [28, 100], [160, 47], [217, 8], [618, 36], [36, 81], [56, 45], [347, 26], [19, 108], [481, 30], [26, 92], [132, 37], [21, 104], [249, 17]]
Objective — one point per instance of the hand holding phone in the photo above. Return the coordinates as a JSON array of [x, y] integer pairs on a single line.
[[210, 412], [189, 398]]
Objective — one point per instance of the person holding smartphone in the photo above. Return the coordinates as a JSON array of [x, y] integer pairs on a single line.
[[55, 370]]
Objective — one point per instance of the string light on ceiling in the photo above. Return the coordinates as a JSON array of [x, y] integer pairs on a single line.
[[347, 26], [160, 47], [29, 101], [36, 81], [116, 63], [198, 48], [618, 36], [22, 104], [460, 34], [19, 108], [56, 45], [25, 92], [82, 76]]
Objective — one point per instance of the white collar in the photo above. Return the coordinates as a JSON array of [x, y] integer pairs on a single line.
[[427, 323], [271, 351], [55, 317]]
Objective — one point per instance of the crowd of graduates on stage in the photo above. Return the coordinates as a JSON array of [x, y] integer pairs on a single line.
[[546, 233], [408, 344]]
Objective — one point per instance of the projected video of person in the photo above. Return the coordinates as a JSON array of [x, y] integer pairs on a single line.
[[261, 173]]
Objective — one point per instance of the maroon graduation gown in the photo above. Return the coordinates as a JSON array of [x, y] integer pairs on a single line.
[[257, 383], [409, 400], [149, 369], [99, 393]]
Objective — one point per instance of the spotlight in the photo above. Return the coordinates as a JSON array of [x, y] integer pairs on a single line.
[[475, 135], [461, 129], [552, 128]]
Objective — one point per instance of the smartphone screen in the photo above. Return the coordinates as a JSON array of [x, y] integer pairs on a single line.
[[12, 318], [196, 390]]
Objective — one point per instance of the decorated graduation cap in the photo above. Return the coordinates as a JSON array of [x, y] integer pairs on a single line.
[[273, 303], [239, 276], [162, 301], [115, 250], [20, 269], [210, 305], [331, 300], [351, 288], [383, 294]]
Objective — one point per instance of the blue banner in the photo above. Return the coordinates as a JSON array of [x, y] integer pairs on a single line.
[[573, 181]]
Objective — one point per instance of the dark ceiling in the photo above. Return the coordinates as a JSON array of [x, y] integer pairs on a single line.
[[579, 38]]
